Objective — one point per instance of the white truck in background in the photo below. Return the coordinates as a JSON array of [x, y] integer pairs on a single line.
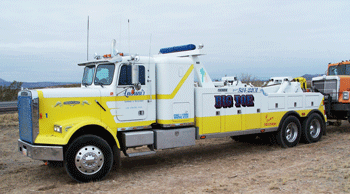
[[132, 101]]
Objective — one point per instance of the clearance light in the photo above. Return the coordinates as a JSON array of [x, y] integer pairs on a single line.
[[107, 56], [203, 137], [262, 131], [40, 115], [57, 128]]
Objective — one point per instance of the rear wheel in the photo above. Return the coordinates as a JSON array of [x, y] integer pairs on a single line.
[[313, 128], [88, 158], [290, 132]]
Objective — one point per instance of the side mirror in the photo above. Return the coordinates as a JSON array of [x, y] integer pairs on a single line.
[[135, 77]]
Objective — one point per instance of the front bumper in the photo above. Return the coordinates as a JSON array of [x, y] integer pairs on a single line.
[[39, 152]]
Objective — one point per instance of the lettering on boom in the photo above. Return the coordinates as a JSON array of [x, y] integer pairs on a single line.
[[226, 101]]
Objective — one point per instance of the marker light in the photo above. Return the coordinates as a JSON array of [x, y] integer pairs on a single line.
[[107, 56], [178, 48]]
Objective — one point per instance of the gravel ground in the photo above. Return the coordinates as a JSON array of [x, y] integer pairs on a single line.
[[211, 166]]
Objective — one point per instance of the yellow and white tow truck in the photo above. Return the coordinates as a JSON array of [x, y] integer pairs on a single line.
[[132, 101]]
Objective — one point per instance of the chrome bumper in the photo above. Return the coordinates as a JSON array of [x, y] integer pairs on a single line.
[[36, 152]]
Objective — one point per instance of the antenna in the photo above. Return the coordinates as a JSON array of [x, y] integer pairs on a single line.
[[150, 44], [87, 40], [129, 35], [149, 65], [120, 32]]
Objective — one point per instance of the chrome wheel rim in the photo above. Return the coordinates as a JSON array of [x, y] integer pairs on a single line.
[[315, 128], [89, 160], [291, 132]]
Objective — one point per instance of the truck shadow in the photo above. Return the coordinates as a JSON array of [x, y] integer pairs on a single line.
[[201, 153]]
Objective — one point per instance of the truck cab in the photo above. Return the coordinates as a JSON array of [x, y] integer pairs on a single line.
[[335, 86]]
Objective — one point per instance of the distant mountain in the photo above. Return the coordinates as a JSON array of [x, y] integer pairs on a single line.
[[310, 76], [37, 84]]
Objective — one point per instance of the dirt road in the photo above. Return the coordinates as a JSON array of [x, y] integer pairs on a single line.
[[211, 166]]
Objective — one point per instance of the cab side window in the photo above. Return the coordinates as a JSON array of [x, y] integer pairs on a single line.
[[125, 75]]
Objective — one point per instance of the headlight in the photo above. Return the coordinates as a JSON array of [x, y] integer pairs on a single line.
[[58, 128], [346, 95]]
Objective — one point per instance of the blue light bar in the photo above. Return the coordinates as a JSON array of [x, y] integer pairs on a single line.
[[178, 48]]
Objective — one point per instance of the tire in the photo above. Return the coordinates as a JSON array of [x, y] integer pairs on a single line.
[[290, 132], [313, 128], [88, 158]]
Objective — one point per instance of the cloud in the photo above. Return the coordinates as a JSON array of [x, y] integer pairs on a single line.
[[261, 37]]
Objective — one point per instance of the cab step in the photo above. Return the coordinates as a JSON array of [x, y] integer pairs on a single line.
[[139, 153]]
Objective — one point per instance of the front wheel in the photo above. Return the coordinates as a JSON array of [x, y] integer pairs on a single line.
[[313, 128], [290, 132], [88, 158]]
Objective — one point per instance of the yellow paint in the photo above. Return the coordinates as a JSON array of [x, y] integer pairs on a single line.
[[135, 124], [251, 121], [229, 123], [129, 98], [271, 119], [182, 81], [210, 125], [233, 123], [76, 116], [321, 108], [175, 121]]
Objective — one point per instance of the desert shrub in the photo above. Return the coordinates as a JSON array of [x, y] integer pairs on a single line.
[[9, 93]]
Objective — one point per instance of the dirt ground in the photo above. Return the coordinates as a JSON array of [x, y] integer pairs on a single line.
[[211, 166]]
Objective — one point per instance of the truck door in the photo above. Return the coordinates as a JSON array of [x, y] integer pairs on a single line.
[[132, 104]]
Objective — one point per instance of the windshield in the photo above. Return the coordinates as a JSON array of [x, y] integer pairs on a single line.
[[104, 74], [339, 70], [88, 75]]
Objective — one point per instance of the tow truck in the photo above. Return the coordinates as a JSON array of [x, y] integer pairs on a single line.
[[129, 101]]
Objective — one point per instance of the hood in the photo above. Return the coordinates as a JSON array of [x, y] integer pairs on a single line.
[[70, 92], [329, 77]]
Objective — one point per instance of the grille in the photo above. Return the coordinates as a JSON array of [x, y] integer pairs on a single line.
[[327, 87], [25, 118]]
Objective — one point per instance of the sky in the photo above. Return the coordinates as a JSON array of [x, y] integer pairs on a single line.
[[44, 40]]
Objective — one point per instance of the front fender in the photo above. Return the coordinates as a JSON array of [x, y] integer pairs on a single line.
[[69, 127]]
